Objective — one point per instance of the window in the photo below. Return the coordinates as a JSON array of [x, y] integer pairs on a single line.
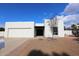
[[55, 31]]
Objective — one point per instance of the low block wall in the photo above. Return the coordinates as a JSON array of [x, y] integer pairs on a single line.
[[68, 32]]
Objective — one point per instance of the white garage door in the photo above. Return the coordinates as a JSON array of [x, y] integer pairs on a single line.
[[20, 32]]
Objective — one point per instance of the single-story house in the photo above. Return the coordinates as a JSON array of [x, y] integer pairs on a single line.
[[49, 28]]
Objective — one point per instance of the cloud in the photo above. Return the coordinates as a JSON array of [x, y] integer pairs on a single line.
[[72, 14], [71, 19], [72, 8]]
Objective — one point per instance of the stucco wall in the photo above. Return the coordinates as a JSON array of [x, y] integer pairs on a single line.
[[19, 29], [60, 26], [47, 31]]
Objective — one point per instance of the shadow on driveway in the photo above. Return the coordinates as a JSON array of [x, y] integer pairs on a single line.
[[40, 53]]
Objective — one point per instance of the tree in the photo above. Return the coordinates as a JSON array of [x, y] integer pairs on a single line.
[[2, 29], [75, 30], [74, 27]]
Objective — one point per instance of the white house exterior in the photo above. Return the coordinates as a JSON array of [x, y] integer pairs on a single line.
[[50, 28], [54, 27], [19, 29]]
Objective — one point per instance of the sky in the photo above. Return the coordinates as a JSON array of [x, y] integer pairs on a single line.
[[29, 11], [71, 13]]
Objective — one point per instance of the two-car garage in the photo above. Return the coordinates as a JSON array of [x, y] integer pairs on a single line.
[[19, 29], [23, 30], [20, 32]]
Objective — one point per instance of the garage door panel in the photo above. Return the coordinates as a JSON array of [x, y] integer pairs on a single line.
[[20, 33]]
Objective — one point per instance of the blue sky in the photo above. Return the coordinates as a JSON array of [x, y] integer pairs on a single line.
[[29, 11]]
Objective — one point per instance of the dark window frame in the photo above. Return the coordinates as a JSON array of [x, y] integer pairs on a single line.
[[55, 30]]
